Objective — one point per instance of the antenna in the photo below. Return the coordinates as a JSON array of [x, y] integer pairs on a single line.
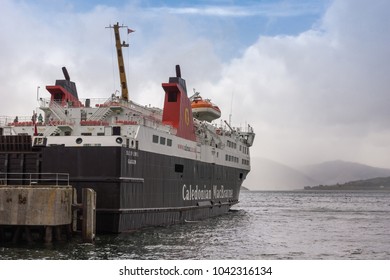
[[231, 110]]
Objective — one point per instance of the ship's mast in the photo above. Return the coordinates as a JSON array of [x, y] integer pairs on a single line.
[[121, 65]]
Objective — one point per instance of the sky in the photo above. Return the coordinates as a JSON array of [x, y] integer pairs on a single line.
[[310, 76]]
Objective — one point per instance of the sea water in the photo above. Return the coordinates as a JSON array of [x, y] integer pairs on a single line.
[[303, 225]]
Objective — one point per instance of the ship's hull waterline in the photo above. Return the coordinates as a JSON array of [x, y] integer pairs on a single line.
[[137, 189]]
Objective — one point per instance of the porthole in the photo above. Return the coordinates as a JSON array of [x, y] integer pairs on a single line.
[[119, 140], [79, 141]]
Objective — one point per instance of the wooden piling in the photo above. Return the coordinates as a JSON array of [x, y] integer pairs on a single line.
[[58, 233], [75, 210], [16, 235], [28, 235], [89, 215], [2, 234], [48, 234]]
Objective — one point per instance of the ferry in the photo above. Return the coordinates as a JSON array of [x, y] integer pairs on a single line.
[[148, 166]]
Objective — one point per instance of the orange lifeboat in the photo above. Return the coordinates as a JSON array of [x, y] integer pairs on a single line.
[[204, 110]]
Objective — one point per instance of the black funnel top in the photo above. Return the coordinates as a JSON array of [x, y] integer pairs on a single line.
[[67, 84], [178, 79]]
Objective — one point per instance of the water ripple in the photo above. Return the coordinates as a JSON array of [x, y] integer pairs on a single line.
[[264, 225]]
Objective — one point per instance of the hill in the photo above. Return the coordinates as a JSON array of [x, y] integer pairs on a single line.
[[381, 183], [333, 172], [270, 175]]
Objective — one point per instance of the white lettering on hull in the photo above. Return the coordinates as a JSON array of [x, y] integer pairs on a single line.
[[222, 192], [197, 193]]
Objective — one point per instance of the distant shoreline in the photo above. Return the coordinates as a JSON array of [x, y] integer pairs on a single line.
[[373, 184], [377, 184], [347, 188]]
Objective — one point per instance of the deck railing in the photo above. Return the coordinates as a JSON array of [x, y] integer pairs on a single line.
[[31, 179]]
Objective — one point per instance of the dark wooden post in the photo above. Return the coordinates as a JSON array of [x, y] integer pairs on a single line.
[[89, 215]]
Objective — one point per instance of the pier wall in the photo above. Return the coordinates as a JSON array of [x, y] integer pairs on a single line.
[[35, 206]]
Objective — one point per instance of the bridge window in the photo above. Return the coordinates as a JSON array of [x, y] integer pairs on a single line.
[[172, 96]]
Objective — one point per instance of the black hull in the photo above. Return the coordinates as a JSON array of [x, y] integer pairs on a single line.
[[134, 188], [138, 189]]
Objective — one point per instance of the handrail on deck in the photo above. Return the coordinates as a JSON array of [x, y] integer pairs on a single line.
[[60, 179]]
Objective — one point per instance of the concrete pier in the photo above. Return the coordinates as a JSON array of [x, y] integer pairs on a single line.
[[49, 210], [36, 205]]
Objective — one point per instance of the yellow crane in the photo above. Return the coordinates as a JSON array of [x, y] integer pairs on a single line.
[[122, 72]]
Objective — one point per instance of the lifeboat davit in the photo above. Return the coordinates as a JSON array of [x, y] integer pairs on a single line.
[[204, 110]]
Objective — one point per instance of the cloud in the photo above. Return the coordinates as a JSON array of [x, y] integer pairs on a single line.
[[276, 9], [322, 94], [34, 53]]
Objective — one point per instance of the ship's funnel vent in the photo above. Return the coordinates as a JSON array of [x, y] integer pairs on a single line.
[[67, 83], [178, 72], [178, 79], [66, 74]]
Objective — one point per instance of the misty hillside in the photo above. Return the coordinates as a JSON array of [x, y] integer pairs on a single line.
[[270, 175], [333, 172], [381, 183]]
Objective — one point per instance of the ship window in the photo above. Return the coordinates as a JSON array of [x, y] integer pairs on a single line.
[[119, 140], [116, 130], [100, 134], [162, 140], [79, 140], [169, 142], [86, 133], [57, 97], [155, 138], [172, 96], [179, 168]]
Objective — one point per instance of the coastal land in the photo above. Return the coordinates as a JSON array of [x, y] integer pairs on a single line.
[[380, 183]]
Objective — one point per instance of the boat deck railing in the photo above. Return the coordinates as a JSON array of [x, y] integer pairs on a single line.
[[31, 179], [10, 120]]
